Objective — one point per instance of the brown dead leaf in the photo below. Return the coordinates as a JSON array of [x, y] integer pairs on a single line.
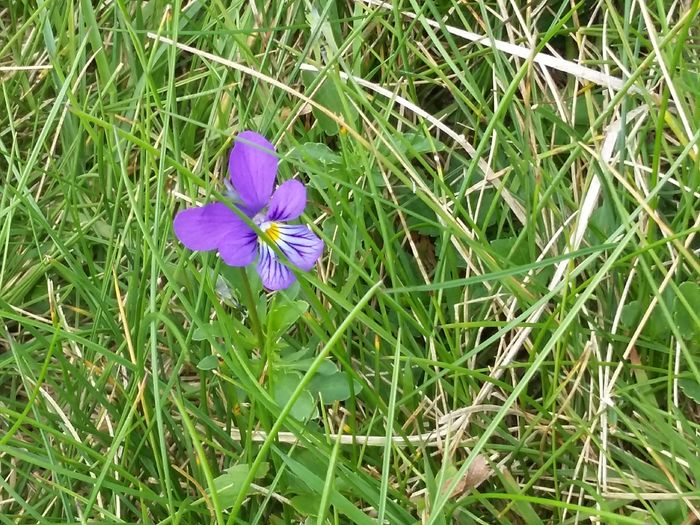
[[478, 472]]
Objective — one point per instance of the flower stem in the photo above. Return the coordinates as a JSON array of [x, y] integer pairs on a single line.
[[252, 309], [268, 343]]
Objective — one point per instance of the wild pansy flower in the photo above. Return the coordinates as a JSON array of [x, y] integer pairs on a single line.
[[252, 167]]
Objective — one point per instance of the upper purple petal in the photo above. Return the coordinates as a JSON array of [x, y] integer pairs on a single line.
[[252, 166], [216, 227], [288, 201], [273, 274], [301, 246]]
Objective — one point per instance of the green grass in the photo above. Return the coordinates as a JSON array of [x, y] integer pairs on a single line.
[[504, 326]]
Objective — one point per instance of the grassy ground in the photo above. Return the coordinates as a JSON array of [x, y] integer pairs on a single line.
[[503, 327]]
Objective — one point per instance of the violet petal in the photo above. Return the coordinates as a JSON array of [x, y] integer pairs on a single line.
[[288, 201], [252, 166], [301, 246], [239, 249], [274, 274], [216, 227]]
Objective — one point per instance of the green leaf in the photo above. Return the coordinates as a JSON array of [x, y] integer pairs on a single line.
[[631, 314], [306, 504], [284, 314], [331, 32], [225, 292], [199, 335], [504, 248], [688, 326], [430, 225], [288, 357], [233, 276], [334, 387], [672, 511], [327, 95], [690, 388], [209, 362], [412, 145], [230, 483], [377, 177], [103, 229], [317, 485], [604, 221], [292, 362], [521, 507], [322, 164], [327, 368], [315, 151], [283, 386]]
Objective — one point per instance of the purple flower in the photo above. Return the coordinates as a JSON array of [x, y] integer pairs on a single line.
[[252, 166]]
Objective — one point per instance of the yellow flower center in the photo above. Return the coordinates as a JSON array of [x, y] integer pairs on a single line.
[[272, 232]]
